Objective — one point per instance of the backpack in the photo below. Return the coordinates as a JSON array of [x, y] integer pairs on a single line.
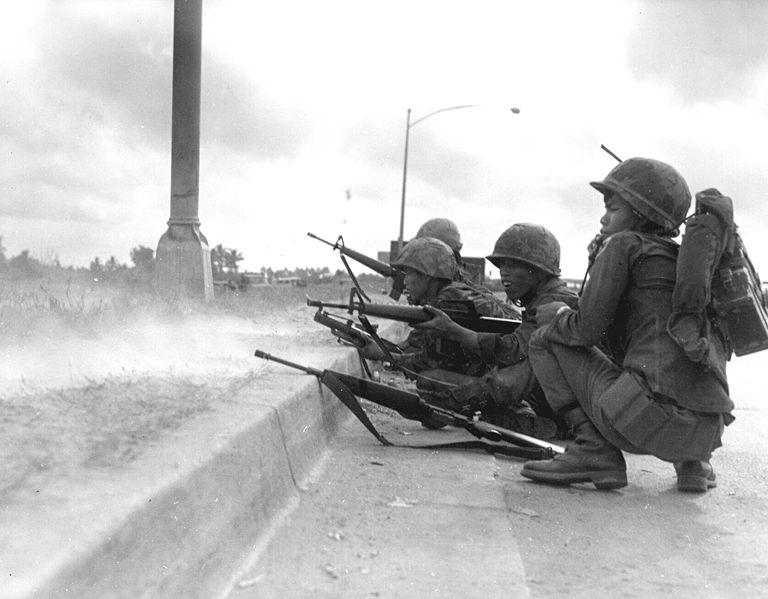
[[717, 286]]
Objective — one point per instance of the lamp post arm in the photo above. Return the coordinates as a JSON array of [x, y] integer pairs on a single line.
[[408, 125], [426, 116]]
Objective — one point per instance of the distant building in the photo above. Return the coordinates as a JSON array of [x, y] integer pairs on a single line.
[[292, 281], [255, 278]]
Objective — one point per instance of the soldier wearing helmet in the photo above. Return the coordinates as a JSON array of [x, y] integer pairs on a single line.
[[446, 231], [429, 264], [528, 257], [649, 397], [430, 269]]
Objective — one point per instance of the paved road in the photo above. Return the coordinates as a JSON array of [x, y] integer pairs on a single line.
[[389, 523]]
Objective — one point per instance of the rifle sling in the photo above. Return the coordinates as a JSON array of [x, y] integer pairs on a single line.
[[340, 390], [364, 364], [353, 277], [346, 397]]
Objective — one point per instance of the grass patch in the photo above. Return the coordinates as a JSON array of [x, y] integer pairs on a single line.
[[72, 301]]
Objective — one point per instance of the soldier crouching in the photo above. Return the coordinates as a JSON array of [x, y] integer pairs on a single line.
[[650, 398]]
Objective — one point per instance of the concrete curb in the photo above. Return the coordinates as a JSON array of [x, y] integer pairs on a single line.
[[182, 521]]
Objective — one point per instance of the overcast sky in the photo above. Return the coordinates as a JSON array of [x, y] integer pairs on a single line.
[[303, 119]]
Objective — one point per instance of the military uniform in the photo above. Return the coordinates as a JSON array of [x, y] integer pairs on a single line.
[[652, 399], [512, 381], [425, 350], [649, 397], [506, 392], [446, 231]]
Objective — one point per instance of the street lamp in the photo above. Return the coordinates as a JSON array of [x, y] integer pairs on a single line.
[[408, 125]]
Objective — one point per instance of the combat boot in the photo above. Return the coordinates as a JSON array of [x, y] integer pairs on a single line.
[[589, 459], [695, 477]]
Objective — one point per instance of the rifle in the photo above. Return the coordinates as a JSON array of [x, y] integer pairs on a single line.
[[349, 333], [411, 406], [382, 268], [462, 312]]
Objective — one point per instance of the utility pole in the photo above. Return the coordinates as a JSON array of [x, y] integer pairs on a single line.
[[183, 255]]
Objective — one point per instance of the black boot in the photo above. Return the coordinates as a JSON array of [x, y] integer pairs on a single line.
[[589, 459], [695, 477]]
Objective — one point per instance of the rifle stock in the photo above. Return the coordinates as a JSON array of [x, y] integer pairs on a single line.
[[411, 406], [377, 266], [462, 312]]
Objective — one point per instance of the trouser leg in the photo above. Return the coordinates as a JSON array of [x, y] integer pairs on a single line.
[[569, 378]]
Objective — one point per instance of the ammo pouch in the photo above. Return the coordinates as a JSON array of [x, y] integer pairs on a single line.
[[660, 429]]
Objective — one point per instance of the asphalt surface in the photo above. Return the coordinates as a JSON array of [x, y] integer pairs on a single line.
[[390, 522]]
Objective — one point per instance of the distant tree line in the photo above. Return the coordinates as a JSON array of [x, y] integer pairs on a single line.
[[225, 265]]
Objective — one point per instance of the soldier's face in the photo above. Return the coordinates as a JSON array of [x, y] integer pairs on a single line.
[[417, 286], [618, 216], [518, 278]]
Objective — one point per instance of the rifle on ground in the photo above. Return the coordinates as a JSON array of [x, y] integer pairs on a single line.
[[382, 268], [350, 333], [462, 312], [411, 406]]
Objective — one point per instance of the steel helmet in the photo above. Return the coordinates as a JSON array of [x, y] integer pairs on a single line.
[[428, 256], [653, 188], [443, 229], [528, 243]]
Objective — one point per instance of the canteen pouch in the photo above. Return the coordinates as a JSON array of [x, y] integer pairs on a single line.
[[740, 304]]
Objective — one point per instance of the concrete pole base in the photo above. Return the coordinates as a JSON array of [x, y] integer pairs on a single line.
[[184, 264]]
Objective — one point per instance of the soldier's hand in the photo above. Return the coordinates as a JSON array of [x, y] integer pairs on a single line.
[[594, 247], [547, 312], [442, 325], [439, 323]]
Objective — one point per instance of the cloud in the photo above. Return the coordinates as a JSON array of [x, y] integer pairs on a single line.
[[706, 50], [239, 116]]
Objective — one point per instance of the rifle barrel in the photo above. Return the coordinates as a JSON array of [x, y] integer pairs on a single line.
[[313, 236], [265, 356], [382, 268], [320, 304]]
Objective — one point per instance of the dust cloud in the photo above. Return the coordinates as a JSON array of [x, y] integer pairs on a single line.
[[210, 345]]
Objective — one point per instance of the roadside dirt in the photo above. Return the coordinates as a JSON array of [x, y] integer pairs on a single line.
[[71, 404]]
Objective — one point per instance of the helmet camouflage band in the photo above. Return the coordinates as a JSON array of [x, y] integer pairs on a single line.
[[443, 229], [653, 188], [528, 243], [429, 256]]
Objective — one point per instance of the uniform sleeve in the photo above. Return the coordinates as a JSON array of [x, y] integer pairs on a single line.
[[505, 350], [486, 304], [608, 280]]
